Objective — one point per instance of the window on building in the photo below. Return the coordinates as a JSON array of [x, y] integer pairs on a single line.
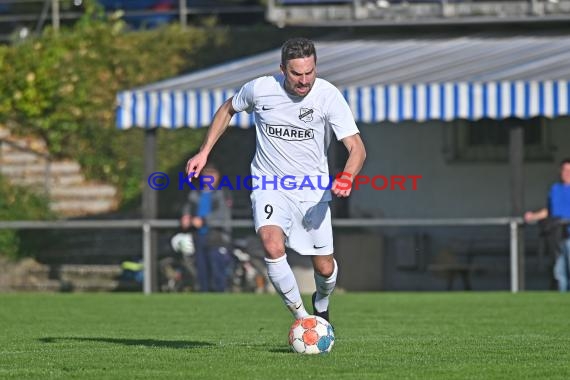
[[487, 140]]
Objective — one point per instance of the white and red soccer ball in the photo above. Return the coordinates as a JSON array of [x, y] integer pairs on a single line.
[[311, 335]]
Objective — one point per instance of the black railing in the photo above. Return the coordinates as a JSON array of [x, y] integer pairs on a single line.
[[22, 18]]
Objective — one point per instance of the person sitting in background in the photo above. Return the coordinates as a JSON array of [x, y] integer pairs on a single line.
[[204, 206], [558, 208]]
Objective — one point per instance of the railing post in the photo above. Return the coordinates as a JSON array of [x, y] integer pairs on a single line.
[[55, 14], [149, 206], [147, 258], [517, 186], [183, 10], [514, 234]]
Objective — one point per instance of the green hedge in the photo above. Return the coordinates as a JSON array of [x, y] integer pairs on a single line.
[[62, 87], [18, 203]]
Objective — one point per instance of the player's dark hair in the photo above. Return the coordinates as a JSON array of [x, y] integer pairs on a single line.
[[297, 48], [565, 161]]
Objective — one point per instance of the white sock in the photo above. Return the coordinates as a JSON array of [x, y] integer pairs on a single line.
[[284, 282], [325, 286]]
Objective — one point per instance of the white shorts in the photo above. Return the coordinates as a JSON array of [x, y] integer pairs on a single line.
[[307, 225]]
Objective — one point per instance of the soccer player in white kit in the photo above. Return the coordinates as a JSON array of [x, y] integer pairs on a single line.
[[295, 115]]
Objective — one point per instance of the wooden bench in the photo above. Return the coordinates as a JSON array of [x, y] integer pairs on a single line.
[[448, 265], [451, 271]]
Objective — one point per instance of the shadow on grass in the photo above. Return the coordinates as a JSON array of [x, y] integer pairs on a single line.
[[180, 344], [281, 350]]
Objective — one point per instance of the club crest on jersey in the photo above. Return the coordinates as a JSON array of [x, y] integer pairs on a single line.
[[306, 114], [289, 133]]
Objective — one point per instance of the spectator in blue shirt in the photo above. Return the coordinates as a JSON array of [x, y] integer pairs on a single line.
[[205, 205], [558, 208]]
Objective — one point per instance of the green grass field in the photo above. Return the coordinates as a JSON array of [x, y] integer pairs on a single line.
[[243, 336]]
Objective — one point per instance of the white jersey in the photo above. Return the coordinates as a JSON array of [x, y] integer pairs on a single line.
[[293, 134]]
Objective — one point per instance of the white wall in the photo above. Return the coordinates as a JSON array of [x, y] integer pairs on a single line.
[[446, 189]]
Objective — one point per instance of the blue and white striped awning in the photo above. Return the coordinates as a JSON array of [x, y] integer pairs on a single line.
[[385, 80]]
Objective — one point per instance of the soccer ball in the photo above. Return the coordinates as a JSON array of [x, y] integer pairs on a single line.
[[311, 335]]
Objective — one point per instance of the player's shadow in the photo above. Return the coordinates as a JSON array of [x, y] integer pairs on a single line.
[[281, 350], [179, 344]]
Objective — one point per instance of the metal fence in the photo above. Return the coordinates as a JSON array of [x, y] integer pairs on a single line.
[[28, 17], [413, 12], [148, 226]]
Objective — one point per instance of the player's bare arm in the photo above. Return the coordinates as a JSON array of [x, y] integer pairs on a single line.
[[531, 216], [356, 157], [219, 124]]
